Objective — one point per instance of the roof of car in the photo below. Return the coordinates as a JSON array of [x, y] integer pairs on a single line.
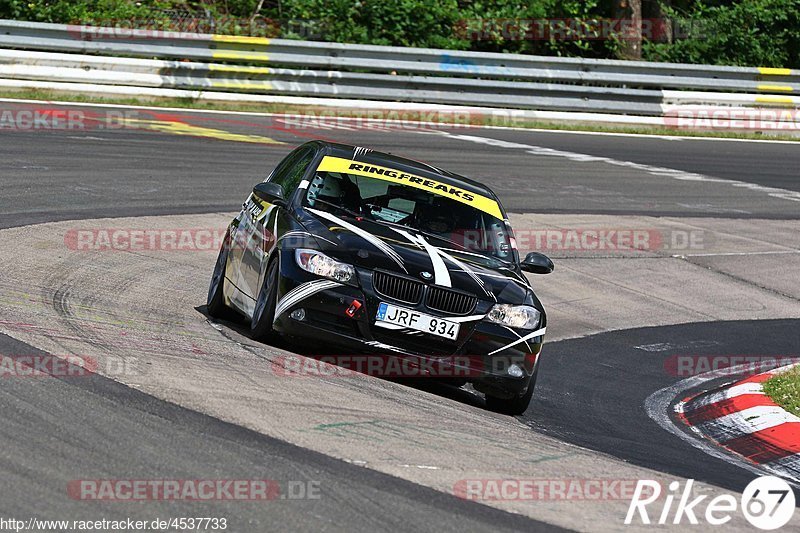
[[367, 155]]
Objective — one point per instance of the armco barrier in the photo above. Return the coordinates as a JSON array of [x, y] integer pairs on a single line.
[[65, 55]]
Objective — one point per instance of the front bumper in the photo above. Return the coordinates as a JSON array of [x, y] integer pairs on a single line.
[[329, 325]]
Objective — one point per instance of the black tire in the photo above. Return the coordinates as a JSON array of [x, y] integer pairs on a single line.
[[264, 312], [516, 405], [215, 303]]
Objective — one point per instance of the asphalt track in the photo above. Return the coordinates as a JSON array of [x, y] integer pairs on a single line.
[[61, 430], [102, 172], [58, 429], [616, 372]]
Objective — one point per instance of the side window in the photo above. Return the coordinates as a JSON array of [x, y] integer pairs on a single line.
[[284, 164], [292, 169]]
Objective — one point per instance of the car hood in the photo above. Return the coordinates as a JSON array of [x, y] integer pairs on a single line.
[[372, 245]]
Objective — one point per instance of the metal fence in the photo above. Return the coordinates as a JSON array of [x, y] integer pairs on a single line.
[[210, 64]]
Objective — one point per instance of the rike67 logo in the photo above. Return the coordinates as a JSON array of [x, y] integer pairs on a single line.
[[767, 503]]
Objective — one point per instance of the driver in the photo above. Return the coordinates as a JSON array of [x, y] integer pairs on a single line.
[[435, 219]]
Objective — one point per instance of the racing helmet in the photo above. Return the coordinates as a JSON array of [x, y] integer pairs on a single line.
[[436, 218], [331, 187]]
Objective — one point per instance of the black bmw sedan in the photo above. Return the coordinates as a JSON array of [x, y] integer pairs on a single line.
[[391, 258]]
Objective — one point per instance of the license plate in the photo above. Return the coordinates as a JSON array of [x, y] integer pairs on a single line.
[[389, 316]]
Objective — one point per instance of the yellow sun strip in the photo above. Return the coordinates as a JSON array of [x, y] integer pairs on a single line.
[[347, 166]]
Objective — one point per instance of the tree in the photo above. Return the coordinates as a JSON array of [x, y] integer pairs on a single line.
[[629, 12]]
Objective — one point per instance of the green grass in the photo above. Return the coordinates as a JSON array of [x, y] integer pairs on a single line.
[[784, 389], [189, 103]]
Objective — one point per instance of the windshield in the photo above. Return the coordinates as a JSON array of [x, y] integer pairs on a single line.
[[455, 225]]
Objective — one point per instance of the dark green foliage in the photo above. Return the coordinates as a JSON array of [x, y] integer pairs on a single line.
[[735, 32], [750, 32]]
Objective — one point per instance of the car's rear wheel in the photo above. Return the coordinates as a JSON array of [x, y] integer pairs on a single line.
[[215, 303], [264, 312], [515, 405]]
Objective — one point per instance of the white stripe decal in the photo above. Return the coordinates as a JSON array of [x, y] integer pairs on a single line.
[[372, 239], [297, 294], [461, 319], [410, 238], [304, 184], [441, 276], [385, 346], [301, 292], [298, 232], [522, 339], [471, 273], [266, 213], [359, 151], [464, 268], [522, 285], [464, 252], [518, 336]]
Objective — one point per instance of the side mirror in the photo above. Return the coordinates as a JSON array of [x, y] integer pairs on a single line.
[[537, 263], [270, 192]]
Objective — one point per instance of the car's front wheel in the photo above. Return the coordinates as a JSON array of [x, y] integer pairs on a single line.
[[264, 312], [516, 405], [215, 303]]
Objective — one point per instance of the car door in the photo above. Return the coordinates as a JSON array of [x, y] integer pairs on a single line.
[[242, 237], [263, 220]]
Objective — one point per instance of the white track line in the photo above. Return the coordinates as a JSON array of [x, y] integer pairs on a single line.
[[721, 254], [680, 175]]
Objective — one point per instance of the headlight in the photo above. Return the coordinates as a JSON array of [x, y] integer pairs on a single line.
[[322, 265], [515, 316]]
